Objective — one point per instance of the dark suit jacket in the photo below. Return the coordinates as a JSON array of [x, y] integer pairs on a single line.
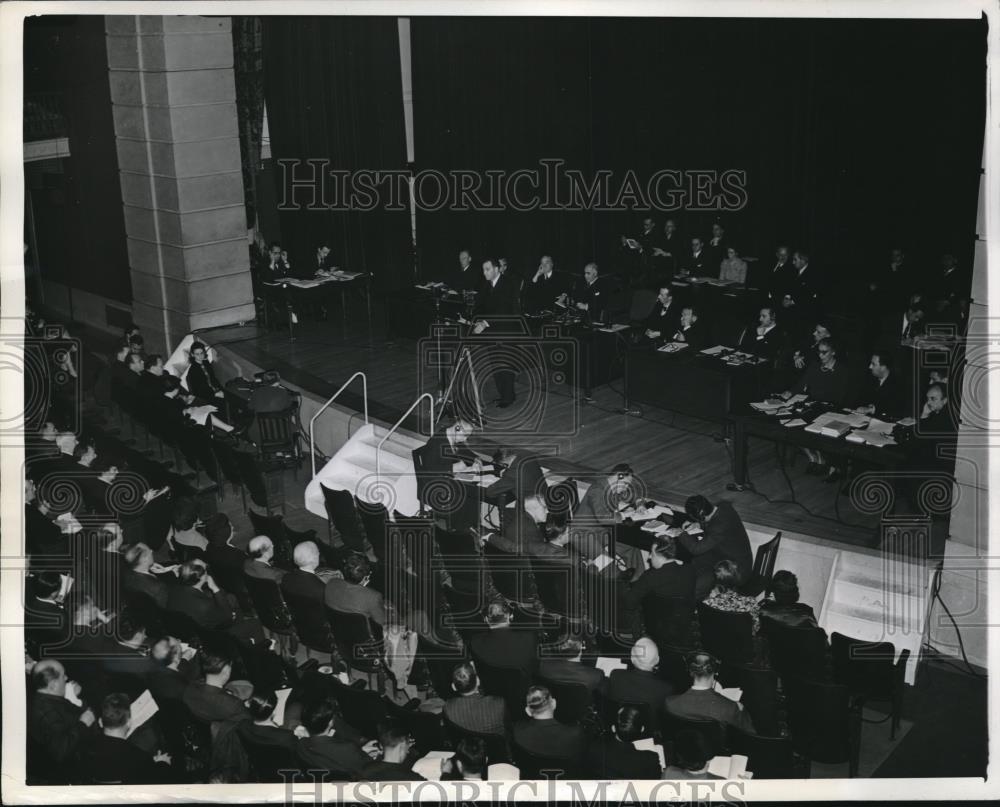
[[212, 704], [378, 771], [891, 329], [779, 280], [610, 758], [113, 761], [506, 647], [889, 398], [700, 265], [480, 713], [639, 686], [550, 738], [598, 297], [150, 585], [268, 735], [561, 671], [724, 538], [670, 580], [354, 599], [469, 280], [501, 299], [262, 571], [694, 336], [298, 583], [664, 320], [541, 295], [334, 754], [54, 723], [795, 614], [212, 611], [705, 704], [832, 386], [767, 346]]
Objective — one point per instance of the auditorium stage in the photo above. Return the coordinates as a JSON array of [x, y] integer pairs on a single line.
[[674, 455]]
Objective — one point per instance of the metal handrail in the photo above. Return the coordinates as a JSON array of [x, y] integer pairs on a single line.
[[322, 409], [396, 425]]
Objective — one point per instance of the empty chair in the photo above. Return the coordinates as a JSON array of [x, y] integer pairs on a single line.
[[713, 733], [763, 568], [870, 671], [507, 572], [824, 725], [310, 622], [343, 516], [278, 438], [760, 695], [727, 635], [767, 757], [797, 651], [228, 469], [641, 306], [360, 642], [261, 494], [375, 522], [670, 620]]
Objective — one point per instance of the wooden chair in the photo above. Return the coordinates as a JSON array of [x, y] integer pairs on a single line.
[[712, 732], [767, 757], [310, 623], [574, 701], [797, 651], [342, 515], [278, 439], [360, 642]]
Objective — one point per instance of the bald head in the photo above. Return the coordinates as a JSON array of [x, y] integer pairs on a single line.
[[49, 676], [261, 548], [306, 556], [645, 655]]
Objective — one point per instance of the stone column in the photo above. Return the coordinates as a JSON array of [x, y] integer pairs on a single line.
[[174, 102]]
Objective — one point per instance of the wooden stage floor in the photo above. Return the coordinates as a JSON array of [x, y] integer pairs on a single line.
[[674, 455]]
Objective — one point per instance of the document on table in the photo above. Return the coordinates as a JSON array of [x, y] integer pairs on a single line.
[[672, 347], [614, 328], [734, 767], [714, 351], [793, 422], [143, 708]]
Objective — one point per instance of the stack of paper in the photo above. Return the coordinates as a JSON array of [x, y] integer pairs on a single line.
[[770, 407], [614, 328], [714, 351], [734, 767], [872, 438]]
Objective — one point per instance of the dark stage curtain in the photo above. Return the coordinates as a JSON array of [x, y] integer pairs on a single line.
[[334, 93], [855, 136], [248, 73], [79, 219]]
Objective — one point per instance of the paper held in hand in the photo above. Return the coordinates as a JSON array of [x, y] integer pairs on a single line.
[[143, 708]]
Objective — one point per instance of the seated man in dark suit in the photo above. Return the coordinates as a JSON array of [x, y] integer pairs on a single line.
[[702, 701], [664, 319], [259, 564], [689, 331], [884, 397], [112, 760], [138, 577], [391, 766], [468, 763], [697, 262], [46, 621], [210, 700], [594, 295], [901, 327], [545, 287], [471, 710], [55, 725], [640, 683], [666, 577], [544, 736], [766, 339], [323, 750], [784, 606], [723, 537], [503, 645], [567, 667], [352, 594], [305, 581], [616, 758], [199, 597]]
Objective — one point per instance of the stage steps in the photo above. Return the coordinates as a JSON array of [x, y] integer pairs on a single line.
[[879, 599], [352, 469]]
